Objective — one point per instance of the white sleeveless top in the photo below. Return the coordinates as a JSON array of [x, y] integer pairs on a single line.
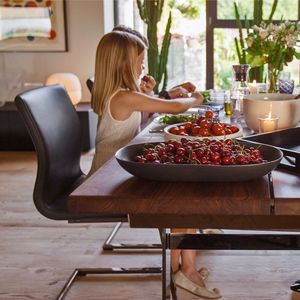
[[113, 135]]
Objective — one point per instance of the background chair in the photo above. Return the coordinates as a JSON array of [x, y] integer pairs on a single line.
[[109, 244], [90, 83], [54, 128]]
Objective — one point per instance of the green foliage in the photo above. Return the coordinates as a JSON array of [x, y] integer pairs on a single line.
[[274, 6], [257, 11], [240, 48], [189, 8], [150, 12]]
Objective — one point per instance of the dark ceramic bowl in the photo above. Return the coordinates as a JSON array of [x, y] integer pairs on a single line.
[[191, 172]]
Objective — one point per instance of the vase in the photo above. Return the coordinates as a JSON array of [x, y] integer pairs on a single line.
[[272, 79]]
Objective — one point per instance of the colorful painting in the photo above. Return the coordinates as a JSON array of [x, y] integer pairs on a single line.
[[32, 40]]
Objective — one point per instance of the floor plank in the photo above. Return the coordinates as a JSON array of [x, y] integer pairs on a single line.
[[38, 255]]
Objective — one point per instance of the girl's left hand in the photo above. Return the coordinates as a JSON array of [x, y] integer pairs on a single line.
[[147, 84]]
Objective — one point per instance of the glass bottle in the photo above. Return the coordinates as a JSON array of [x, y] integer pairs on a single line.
[[239, 88], [227, 104]]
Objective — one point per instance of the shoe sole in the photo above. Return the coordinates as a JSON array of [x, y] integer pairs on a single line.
[[178, 286]]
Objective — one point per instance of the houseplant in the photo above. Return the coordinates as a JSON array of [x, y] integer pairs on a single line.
[[274, 45], [255, 73]]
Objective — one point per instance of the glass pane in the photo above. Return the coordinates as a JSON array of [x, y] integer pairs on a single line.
[[294, 69], [285, 9], [224, 57], [126, 13], [187, 53], [225, 9], [288, 10]]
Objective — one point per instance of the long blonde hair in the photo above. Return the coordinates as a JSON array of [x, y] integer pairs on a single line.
[[115, 66]]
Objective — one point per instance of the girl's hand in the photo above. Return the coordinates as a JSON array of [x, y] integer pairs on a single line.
[[147, 84], [188, 86], [178, 92], [198, 98]]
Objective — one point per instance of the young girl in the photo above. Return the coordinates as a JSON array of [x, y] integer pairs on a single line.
[[118, 101], [116, 95]]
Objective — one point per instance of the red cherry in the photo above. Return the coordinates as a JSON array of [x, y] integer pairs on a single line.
[[170, 148], [184, 140], [199, 153], [180, 151], [150, 157], [162, 151], [146, 78], [226, 160], [215, 157], [178, 159]]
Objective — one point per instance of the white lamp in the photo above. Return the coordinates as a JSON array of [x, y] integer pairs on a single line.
[[71, 83]]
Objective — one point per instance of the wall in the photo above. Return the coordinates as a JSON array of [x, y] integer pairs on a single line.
[[86, 24]]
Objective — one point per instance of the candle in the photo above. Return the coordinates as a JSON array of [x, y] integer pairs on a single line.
[[268, 123], [261, 87], [253, 87]]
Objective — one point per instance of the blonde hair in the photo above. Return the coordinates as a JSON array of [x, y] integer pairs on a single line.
[[115, 66]]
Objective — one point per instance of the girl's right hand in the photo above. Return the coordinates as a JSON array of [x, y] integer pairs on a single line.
[[198, 98], [147, 84]]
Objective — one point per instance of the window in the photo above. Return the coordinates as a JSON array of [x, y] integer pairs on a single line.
[[203, 50]]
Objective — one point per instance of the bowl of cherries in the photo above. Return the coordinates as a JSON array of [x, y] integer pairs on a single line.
[[199, 160], [205, 126]]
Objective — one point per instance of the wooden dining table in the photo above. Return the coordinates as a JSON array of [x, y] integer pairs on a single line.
[[268, 203]]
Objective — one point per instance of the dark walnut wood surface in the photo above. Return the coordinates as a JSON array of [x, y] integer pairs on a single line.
[[172, 204]]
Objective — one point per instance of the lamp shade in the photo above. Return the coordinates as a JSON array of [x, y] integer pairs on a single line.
[[71, 83]]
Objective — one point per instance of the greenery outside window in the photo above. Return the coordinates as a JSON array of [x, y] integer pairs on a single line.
[[202, 50]]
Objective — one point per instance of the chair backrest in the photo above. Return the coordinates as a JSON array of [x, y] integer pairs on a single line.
[[90, 83], [54, 127]]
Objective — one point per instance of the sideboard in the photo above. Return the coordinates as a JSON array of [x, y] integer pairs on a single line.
[[14, 135]]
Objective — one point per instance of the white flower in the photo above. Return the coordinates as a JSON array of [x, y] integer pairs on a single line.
[[256, 28], [271, 27], [263, 33], [282, 26], [249, 41], [290, 41]]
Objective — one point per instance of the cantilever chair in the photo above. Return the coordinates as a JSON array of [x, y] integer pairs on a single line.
[[109, 244], [54, 127]]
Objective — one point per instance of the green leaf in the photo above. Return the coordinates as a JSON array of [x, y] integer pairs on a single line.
[[297, 55], [255, 61]]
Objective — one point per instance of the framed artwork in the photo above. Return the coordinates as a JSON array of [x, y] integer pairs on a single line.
[[32, 39]]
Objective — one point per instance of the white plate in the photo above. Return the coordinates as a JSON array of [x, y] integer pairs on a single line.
[[171, 136]]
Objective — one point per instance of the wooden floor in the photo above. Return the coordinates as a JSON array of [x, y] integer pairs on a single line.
[[38, 255]]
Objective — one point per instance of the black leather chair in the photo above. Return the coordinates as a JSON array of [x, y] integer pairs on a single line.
[[54, 128], [109, 244]]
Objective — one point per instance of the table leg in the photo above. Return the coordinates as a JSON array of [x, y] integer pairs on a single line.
[[172, 287], [162, 232]]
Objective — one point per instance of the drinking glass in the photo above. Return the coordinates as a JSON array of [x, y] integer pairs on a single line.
[[286, 86]]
